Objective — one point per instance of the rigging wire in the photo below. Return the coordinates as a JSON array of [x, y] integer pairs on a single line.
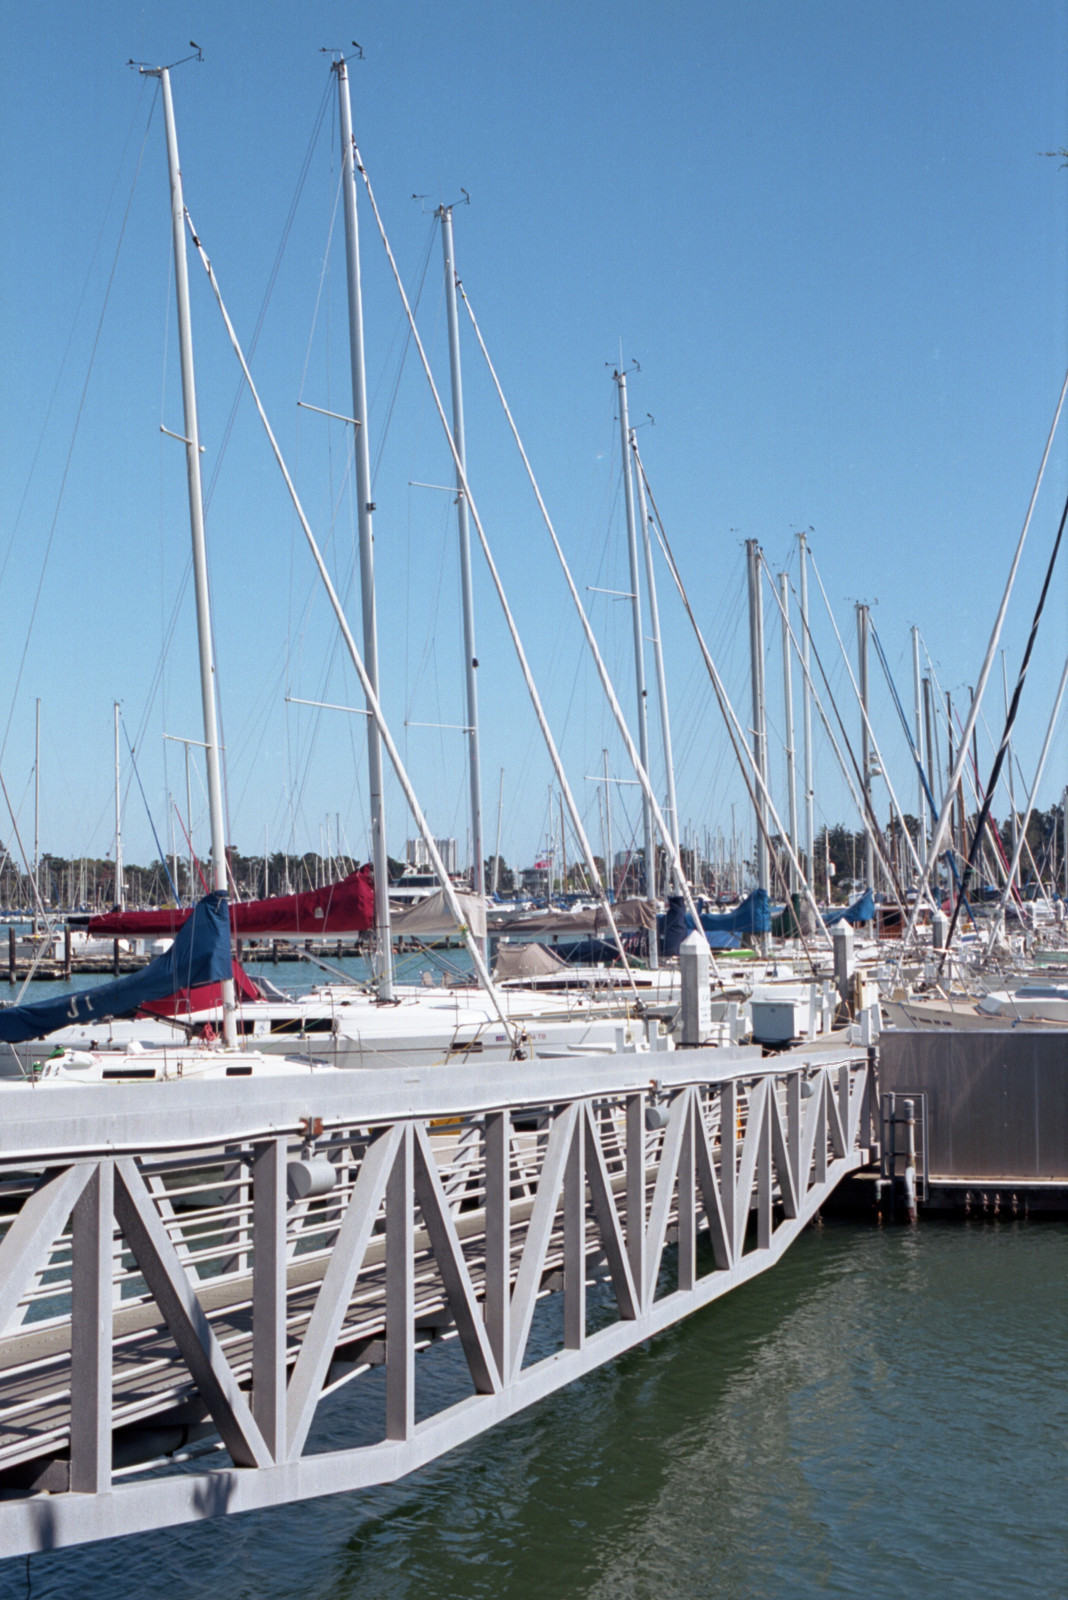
[[464, 488], [854, 794], [606, 682], [988, 662], [734, 728], [176, 608], [74, 435], [871, 821], [1010, 719], [406, 347], [70, 336], [904, 722], [373, 704], [299, 783], [998, 853], [148, 811]]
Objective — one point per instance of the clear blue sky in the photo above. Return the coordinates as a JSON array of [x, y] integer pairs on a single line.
[[825, 230]]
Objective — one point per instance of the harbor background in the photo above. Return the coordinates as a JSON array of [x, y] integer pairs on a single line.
[[828, 233]]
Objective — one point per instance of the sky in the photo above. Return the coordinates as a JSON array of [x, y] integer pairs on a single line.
[[823, 239]]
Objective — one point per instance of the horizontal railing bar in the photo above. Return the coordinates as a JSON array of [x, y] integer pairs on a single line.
[[88, 1121]]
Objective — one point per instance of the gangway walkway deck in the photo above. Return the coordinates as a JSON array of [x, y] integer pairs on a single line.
[[188, 1258]]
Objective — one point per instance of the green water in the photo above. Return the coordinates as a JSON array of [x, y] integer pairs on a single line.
[[884, 1413]]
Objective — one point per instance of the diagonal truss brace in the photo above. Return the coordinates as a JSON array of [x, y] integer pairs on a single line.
[[162, 1269]]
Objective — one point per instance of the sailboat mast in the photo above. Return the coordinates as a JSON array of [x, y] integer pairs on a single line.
[[196, 524], [865, 744], [497, 851], [788, 700], [610, 862], [639, 657], [190, 892], [922, 755], [364, 510], [37, 816], [672, 816], [120, 888], [478, 873], [760, 736], [1012, 789], [930, 744], [806, 701]]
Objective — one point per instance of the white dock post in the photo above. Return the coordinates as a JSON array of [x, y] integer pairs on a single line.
[[694, 963], [842, 942]]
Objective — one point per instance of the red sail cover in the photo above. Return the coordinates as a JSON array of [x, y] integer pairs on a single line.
[[345, 907], [208, 997]]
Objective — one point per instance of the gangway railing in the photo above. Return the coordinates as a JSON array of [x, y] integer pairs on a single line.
[[207, 1260]]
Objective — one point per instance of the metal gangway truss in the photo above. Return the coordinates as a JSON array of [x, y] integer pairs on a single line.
[[193, 1266]]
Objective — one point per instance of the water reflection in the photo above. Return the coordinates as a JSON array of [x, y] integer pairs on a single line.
[[885, 1409]]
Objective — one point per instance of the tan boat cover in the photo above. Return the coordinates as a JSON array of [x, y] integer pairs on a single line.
[[527, 961], [432, 919], [629, 914]]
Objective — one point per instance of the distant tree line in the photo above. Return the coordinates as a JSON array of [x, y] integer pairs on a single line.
[[88, 883]]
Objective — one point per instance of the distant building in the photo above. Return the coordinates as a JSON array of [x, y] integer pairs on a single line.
[[416, 854], [535, 879], [629, 873]]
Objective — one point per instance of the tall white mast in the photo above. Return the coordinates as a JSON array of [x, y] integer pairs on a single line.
[[672, 817], [364, 510], [865, 744], [196, 524], [806, 701], [610, 863], [788, 699], [478, 872], [190, 892], [120, 887], [37, 816], [639, 658], [1012, 786], [760, 737], [921, 754], [174, 848], [497, 851]]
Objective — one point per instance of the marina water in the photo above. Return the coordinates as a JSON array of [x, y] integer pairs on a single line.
[[885, 1412]]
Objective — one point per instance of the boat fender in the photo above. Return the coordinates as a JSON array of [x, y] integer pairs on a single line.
[[309, 1177]]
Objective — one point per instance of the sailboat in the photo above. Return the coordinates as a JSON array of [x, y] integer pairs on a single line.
[[346, 1026], [200, 954]]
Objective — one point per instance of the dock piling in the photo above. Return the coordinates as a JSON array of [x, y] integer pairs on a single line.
[[909, 1109]]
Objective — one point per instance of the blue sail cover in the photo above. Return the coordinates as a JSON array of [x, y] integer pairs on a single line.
[[862, 910], [752, 916], [721, 928], [200, 954]]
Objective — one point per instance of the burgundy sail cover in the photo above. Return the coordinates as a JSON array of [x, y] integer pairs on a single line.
[[206, 997], [345, 907]]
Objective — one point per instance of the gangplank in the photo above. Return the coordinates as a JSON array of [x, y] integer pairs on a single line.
[[196, 1265]]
